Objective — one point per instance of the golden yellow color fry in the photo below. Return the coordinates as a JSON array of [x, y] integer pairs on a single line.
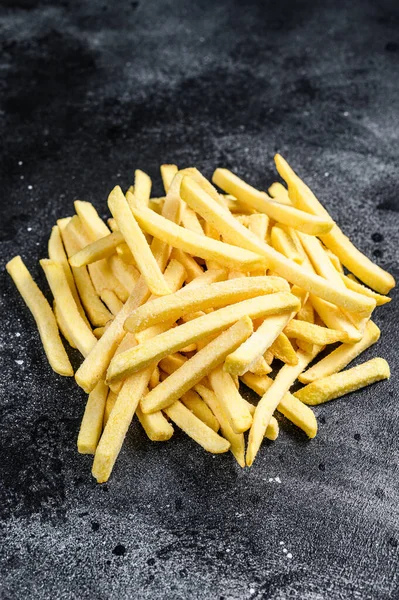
[[167, 173], [282, 213], [335, 240], [335, 260], [76, 326], [235, 233], [192, 371], [234, 406], [154, 379], [237, 442], [109, 406], [92, 223], [314, 334], [92, 422], [100, 248], [127, 274], [196, 429], [98, 332], [111, 301], [124, 253], [112, 224], [156, 426], [193, 269], [352, 284], [285, 243], [306, 313], [190, 221], [171, 363], [206, 185], [201, 410], [334, 318], [194, 331], [186, 300], [242, 359], [43, 315], [268, 356], [283, 350], [63, 326], [339, 358], [293, 409], [339, 384], [279, 193], [260, 367], [142, 187], [137, 243], [271, 400], [258, 223]]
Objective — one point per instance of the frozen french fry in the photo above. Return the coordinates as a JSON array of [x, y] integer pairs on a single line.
[[234, 406], [92, 422]]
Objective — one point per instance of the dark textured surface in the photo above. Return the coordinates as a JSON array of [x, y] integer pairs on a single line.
[[92, 90]]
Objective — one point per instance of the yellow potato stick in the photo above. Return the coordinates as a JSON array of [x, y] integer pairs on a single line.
[[43, 315], [63, 327], [112, 224], [194, 331], [100, 248], [171, 363], [92, 422], [314, 334], [195, 244], [95, 309], [283, 350], [279, 193], [285, 243], [186, 300], [92, 223], [137, 243], [206, 185], [268, 356], [192, 371], [260, 367], [236, 207], [79, 332], [335, 240], [127, 274], [271, 400], [235, 233], [98, 332], [190, 221], [111, 301], [124, 253], [109, 405], [188, 349], [201, 410], [236, 440], [156, 426], [156, 204], [167, 173], [352, 284], [193, 269], [57, 253], [234, 406], [293, 409], [306, 312], [319, 258], [344, 382], [259, 225], [154, 379], [334, 318], [118, 423], [335, 260], [272, 430], [242, 359], [196, 429], [339, 358], [282, 213], [142, 187]]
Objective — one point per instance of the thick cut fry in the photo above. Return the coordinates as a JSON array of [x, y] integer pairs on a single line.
[[335, 261], [235, 233], [63, 327], [335, 240], [100, 248], [127, 274], [352, 284], [112, 224], [43, 315], [188, 300], [314, 334], [195, 244], [142, 187], [206, 185], [293, 409], [271, 399], [339, 384], [201, 410], [92, 422], [190, 221], [306, 313], [167, 173], [109, 405], [156, 426], [77, 328], [124, 253], [197, 367], [334, 318], [260, 367], [93, 224], [193, 269], [196, 429], [137, 243], [279, 193], [282, 213], [194, 331], [237, 442], [154, 379], [339, 358], [112, 301], [234, 406], [98, 332], [259, 225], [285, 243], [282, 349]]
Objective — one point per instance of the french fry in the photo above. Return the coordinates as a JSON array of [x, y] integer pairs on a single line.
[[111, 301], [63, 327], [206, 185], [344, 382], [109, 405], [234, 232], [101, 248], [98, 332], [157, 428], [142, 187], [43, 315], [352, 284], [260, 367], [193, 269], [339, 358], [335, 261], [293, 409], [282, 349], [194, 331], [190, 221], [112, 224], [92, 422], [137, 243], [188, 300], [314, 334], [124, 253], [196, 429], [306, 313], [201, 410], [92, 223], [285, 243], [197, 367], [76, 326], [127, 274], [282, 213], [279, 193], [335, 240], [258, 223], [167, 173], [271, 399], [234, 406], [154, 379], [272, 430]]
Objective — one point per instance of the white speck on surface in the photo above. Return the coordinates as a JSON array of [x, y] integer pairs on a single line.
[[37, 243], [128, 64], [22, 177], [270, 479], [251, 590], [30, 187], [326, 174], [17, 334], [118, 174], [277, 479], [227, 549], [346, 114], [289, 555], [20, 163], [19, 362], [202, 39], [285, 550], [29, 229], [281, 543]]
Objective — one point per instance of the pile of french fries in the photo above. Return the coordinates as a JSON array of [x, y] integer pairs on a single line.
[[178, 299]]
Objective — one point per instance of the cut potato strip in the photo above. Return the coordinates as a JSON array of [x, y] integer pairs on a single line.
[[92, 223], [279, 193], [63, 326], [127, 274], [142, 187], [112, 301], [190, 221], [234, 406], [314, 334], [43, 315], [201, 410], [193, 269], [339, 358], [109, 405], [335, 386], [167, 173], [260, 367], [92, 422], [284, 242], [100, 248], [156, 426], [352, 284], [283, 350]]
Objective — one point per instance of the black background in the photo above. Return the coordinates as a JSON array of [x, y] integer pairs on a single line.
[[89, 92]]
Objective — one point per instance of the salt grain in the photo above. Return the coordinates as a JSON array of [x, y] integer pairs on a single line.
[[17, 334], [285, 550], [20, 163], [29, 229], [19, 362], [289, 555], [30, 187], [277, 479]]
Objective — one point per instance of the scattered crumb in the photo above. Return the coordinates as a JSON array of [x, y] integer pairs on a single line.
[[289, 555], [30, 187], [285, 550], [277, 479], [20, 163], [17, 334], [19, 362], [29, 229], [281, 543]]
